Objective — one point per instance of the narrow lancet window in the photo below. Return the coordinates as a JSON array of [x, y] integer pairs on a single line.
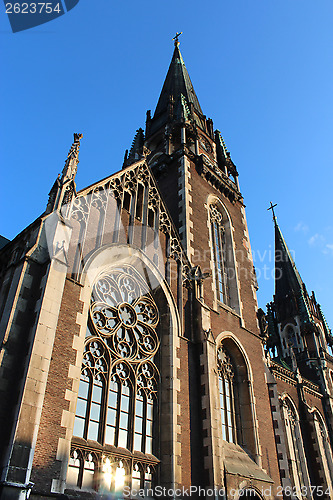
[[221, 246], [91, 390], [223, 257], [227, 396], [296, 456]]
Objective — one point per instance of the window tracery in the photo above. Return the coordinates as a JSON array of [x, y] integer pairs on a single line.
[[106, 472], [117, 399], [82, 469]]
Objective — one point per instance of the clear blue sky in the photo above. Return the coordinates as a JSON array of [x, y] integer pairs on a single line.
[[262, 70]]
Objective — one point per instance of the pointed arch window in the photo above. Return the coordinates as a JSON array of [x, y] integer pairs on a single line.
[[237, 409], [223, 257], [219, 249], [228, 402], [119, 406], [325, 449], [298, 471], [117, 398], [82, 470], [91, 389], [142, 477], [145, 408]]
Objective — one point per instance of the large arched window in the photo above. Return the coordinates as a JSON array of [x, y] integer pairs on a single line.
[[236, 397], [117, 399], [223, 257], [298, 470], [325, 450], [228, 403]]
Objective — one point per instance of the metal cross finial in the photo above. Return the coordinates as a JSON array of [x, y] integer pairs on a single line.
[[175, 38], [272, 208]]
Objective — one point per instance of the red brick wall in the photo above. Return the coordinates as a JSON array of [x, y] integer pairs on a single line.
[[45, 465]]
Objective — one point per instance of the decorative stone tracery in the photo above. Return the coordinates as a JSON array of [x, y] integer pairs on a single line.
[[224, 363], [125, 183], [80, 209], [125, 316], [119, 377]]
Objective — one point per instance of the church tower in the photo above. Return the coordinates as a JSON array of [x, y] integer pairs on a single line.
[[310, 337], [130, 307], [299, 346], [199, 183]]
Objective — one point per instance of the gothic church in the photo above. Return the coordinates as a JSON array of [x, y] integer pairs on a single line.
[[133, 356]]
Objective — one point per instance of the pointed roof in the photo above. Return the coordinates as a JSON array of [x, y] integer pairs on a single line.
[[64, 185], [177, 84], [137, 145], [72, 160], [287, 277]]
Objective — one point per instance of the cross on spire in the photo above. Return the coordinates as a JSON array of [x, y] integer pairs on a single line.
[[175, 38], [272, 208]]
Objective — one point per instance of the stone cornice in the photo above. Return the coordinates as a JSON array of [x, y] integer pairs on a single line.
[[218, 179], [282, 373]]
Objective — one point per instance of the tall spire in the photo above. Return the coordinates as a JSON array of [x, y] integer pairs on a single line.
[[177, 83], [287, 278], [64, 187], [71, 163]]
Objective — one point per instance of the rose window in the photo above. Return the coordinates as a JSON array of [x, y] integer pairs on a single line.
[[124, 314]]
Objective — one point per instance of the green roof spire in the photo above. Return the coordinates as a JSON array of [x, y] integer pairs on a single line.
[[287, 277], [177, 83]]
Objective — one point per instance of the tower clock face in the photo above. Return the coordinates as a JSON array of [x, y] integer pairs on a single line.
[[205, 145]]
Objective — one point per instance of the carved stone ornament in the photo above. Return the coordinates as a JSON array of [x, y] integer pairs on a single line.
[[153, 198], [224, 363], [68, 194], [263, 325], [99, 198], [109, 462], [195, 274], [124, 315], [204, 143], [142, 173], [80, 209], [175, 249], [116, 187], [145, 152], [215, 214], [130, 181], [218, 180], [72, 160], [165, 224], [291, 417]]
